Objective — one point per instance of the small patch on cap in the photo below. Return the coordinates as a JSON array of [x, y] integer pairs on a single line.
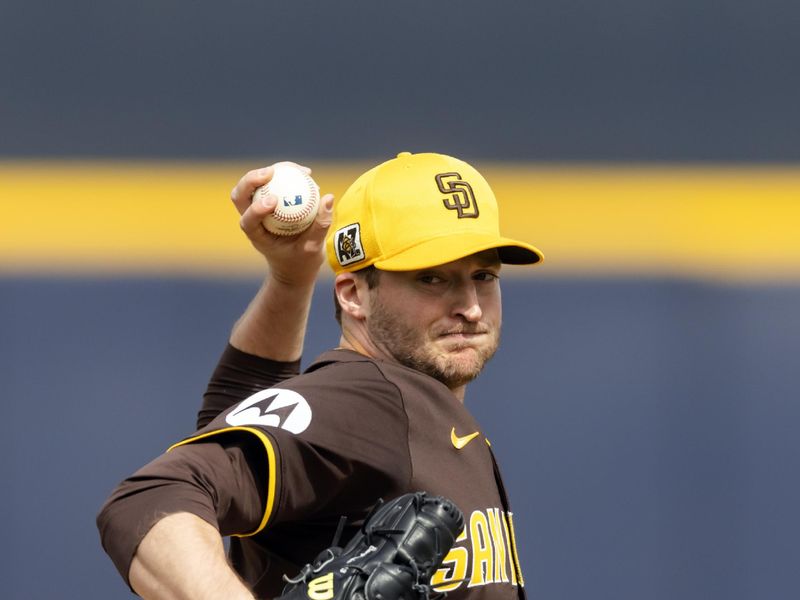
[[347, 244]]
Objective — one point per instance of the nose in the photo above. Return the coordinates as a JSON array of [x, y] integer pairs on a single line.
[[466, 304]]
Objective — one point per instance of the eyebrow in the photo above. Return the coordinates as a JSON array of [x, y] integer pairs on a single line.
[[488, 258]]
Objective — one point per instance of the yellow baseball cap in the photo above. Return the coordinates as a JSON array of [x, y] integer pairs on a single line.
[[417, 211]]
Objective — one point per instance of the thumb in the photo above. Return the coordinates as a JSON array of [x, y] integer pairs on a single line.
[[325, 214], [315, 234]]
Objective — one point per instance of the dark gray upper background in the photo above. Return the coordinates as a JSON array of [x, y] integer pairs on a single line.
[[566, 80]]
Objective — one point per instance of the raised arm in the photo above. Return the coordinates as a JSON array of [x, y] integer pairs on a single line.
[[266, 343], [274, 324]]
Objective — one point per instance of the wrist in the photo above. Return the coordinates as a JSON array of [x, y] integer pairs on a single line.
[[292, 282]]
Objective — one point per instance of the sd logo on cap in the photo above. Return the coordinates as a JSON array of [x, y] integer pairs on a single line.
[[418, 211]]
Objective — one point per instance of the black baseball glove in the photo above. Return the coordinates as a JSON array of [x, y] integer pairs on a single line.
[[392, 557]]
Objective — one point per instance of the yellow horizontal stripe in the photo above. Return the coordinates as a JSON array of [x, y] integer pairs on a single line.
[[727, 222]]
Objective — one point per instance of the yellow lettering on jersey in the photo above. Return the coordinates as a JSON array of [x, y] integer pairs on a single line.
[[489, 553], [321, 588], [510, 551], [514, 549], [454, 568], [482, 553], [499, 543]]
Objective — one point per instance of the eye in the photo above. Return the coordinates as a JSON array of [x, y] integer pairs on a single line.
[[429, 278], [486, 276]]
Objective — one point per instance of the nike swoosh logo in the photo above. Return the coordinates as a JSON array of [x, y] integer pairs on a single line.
[[460, 441]]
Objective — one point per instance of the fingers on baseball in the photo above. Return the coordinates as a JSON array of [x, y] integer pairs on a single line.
[[253, 217], [242, 193]]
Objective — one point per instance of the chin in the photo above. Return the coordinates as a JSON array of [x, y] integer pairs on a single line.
[[458, 371]]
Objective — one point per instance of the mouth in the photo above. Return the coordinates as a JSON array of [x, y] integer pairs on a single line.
[[476, 330], [462, 334], [462, 338]]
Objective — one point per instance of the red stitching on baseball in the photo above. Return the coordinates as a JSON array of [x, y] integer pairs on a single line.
[[313, 195]]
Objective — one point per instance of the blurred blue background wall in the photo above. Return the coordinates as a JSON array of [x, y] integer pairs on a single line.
[[646, 423]]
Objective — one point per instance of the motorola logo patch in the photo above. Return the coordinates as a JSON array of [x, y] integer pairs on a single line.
[[274, 407]]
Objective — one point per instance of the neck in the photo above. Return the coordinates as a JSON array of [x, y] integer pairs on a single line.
[[348, 343]]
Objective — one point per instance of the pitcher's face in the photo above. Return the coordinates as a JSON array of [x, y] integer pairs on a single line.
[[443, 321]]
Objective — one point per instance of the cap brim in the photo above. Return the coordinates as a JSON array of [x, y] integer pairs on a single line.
[[439, 251]]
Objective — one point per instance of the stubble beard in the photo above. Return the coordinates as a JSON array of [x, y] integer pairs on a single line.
[[413, 349]]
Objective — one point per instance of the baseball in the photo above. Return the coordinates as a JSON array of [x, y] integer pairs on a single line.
[[298, 200]]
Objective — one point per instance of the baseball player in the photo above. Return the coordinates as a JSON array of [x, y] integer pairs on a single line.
[[279, 457]]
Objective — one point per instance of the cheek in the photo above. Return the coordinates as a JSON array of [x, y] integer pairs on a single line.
[[492, 307], [407, 310]]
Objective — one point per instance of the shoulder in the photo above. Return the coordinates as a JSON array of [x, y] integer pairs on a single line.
[[343, 366], [341, 379], [341, 396], [348, 376]]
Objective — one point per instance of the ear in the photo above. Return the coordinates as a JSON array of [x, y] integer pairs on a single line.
[[353, 295]]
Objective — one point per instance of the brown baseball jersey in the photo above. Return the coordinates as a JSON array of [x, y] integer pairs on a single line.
[[351, 430]]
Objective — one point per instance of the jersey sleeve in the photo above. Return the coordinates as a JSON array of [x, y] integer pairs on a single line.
[[334, 441], [237, 376], [222, 483]]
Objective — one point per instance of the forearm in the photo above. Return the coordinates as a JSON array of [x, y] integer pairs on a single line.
[[274, 324], [217, 485], [266, 344], [182, 558]]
